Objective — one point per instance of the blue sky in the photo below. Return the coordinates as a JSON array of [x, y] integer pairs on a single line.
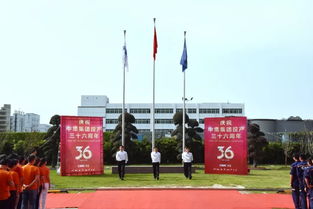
[[254, 52]]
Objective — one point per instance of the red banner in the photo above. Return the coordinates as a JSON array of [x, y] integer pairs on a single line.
[[81, 145], [226, 145]]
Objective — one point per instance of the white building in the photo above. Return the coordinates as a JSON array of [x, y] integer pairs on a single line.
[[5, 113], [43, 127], [24, 122], [93, 105]]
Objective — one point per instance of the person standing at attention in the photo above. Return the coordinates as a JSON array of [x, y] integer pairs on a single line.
[[31, 182], [156, 160], [6, 182], [187, 159], [294, 181], [121, 158], [45, 182], [13, 200]]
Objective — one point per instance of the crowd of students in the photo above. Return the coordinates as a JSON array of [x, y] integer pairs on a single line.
[[301, 181], [24, 183]]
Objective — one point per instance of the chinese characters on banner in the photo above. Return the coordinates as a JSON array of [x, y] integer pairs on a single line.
[[81, 145], [225, 141]]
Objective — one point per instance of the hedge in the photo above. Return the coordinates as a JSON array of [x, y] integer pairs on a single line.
[[22, 143]]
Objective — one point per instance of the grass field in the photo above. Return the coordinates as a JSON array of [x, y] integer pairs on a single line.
[[275, 177]]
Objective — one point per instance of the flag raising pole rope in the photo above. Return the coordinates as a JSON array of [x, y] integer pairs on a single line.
[[155, 50], [184, 64], [125, 66]]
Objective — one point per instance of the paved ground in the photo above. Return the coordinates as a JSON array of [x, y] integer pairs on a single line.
[[168, 199]]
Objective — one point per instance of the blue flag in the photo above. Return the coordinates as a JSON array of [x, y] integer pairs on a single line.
[[125, 57], [183, 60]]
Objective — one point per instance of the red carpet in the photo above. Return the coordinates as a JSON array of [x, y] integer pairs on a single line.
[[169, 199]]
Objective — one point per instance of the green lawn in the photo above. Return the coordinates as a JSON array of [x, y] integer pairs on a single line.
[[276, 177]]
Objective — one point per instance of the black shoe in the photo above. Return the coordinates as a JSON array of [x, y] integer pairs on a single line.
[[123, 179], [158, 178], [190, 177]]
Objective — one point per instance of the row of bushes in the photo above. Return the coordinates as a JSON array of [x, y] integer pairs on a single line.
[[22, 143]]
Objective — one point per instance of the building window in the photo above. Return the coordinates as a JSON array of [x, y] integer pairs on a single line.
[[201, 121], [109, 130], [164, 121], [114, 110], [142, 121], [188, 110], [111, 121], [192, 110], [232, 111], [140, 110], [165, 110], [209, 111]]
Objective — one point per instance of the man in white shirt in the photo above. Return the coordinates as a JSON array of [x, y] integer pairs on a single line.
[[156, 160], [187, 159], [121, 158]]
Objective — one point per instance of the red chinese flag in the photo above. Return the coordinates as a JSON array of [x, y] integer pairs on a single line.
[[155, 44]]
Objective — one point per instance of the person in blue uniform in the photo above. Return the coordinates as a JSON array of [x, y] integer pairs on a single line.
[[302, 187], [294, 181], [308, 176]]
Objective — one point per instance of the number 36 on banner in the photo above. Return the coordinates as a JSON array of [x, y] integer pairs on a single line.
[[86, 153], [228, 153]]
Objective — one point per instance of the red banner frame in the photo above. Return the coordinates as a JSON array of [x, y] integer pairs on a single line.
[[81, 141], [225, 141]]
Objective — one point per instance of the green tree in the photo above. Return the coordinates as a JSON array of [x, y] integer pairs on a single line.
[[257, 142], [52, 143], [168, 149], [192, 138], [130, 133]]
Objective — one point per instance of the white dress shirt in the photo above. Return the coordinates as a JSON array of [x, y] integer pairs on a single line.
[[121, 155], [187, 157], [156, 157]]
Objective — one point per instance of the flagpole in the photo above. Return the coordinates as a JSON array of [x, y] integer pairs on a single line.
[[184, 112], [153, 99], [123, 106], [184, 104]]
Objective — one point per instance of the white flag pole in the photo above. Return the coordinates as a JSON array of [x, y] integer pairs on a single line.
[[153, 99], [123, 106], [184, 105]]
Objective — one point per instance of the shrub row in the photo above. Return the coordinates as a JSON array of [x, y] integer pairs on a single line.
[[22, 143]]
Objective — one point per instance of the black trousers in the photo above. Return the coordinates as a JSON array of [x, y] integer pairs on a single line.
[[19, 205], [156, 169], [121, 168], [4, 204], [187, 170], [12, 200]]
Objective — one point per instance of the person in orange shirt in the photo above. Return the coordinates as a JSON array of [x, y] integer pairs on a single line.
[[19, 170], [36, 164], [13, 189], [31, 179], [5, 183], [45, 182]]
